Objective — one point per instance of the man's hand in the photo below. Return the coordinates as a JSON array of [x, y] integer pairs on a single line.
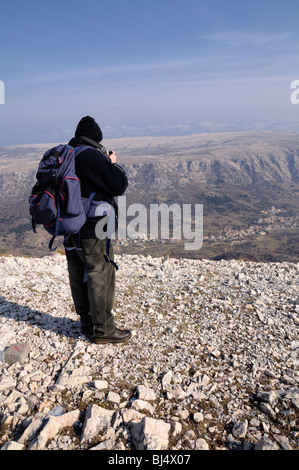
[[112, 157]]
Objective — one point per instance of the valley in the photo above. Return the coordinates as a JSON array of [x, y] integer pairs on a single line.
[[248, 184]]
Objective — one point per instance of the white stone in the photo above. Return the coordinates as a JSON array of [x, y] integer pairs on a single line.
[[52, 426], [242, 310], [240, 429], [97, 420], [100, 384], [198, 417], [266, 444], [145, 393], [31, 430], [166, 379], [75, 378], [12, 445], [113, 397], [201, 444], [140, 405], [150, 434], [7, 382]]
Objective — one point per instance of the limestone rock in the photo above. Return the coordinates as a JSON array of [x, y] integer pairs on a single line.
[[52, 426], [214, 351], [150, 434], [97, 421], [12, 445]]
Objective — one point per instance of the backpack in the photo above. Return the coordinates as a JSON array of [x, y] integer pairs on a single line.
[[56, 201]]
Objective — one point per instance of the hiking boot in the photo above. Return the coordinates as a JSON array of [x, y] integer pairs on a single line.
[[118, 336]]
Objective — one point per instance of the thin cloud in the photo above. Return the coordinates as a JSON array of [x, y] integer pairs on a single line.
[[83, 73], [239, 38]]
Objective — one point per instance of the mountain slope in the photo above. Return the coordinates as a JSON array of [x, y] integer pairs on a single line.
[[235, 176]]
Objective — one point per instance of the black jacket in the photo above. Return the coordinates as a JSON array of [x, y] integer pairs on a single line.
[[98, 174]]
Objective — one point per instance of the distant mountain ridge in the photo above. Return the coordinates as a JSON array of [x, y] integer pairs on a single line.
[[234, 175], [159, 163]]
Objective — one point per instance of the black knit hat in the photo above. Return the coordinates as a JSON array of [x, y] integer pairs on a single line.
[[87, 127]]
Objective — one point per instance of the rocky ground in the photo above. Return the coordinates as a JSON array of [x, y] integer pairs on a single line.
[[212, 363]]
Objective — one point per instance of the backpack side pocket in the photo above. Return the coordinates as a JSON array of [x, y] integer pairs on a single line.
[[43, 207]]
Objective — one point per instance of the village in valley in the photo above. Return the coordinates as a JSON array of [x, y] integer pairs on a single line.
[[270, 219]]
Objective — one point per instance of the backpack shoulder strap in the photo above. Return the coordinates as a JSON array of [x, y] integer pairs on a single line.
[[93, 144], [80, 149]]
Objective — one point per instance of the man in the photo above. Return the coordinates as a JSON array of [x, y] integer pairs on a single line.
[[99, 173]]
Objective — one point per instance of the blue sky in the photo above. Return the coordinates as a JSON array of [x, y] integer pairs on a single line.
[[164, 67]]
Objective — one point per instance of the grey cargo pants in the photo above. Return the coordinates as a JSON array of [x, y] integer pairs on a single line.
[[93, 299]]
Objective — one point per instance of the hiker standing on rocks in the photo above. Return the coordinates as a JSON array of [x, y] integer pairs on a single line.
[[98, 172]]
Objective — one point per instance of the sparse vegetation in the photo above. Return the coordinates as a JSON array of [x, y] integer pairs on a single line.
[[209, 170]]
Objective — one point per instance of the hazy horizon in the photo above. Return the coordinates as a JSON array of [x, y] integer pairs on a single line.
[[160, 69]]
